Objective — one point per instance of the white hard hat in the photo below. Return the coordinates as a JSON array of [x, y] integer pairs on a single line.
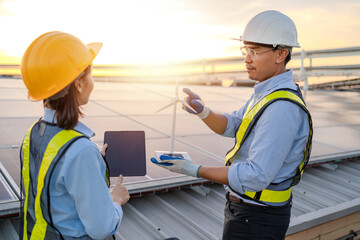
[[272, 28]]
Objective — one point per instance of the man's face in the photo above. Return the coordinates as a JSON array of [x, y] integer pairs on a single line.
[[260, 62]]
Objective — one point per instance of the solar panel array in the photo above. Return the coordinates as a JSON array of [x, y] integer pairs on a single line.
[[5, 195], [125, 106]]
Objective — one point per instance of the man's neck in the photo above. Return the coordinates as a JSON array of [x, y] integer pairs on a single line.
[[275, 73]]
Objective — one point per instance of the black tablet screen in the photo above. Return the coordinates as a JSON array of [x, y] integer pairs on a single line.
[[126, 153]]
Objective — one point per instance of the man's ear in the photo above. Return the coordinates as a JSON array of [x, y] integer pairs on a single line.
[[283, 53]]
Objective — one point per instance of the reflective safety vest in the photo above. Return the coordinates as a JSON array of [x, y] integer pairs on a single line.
[[276, 192], [49, 145]]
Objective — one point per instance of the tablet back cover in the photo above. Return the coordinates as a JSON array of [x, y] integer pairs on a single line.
[[126, 153]]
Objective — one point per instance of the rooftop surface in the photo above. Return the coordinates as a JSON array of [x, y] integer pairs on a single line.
[[117, 106]]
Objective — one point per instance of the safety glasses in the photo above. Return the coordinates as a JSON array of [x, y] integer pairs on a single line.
[[251, 52]]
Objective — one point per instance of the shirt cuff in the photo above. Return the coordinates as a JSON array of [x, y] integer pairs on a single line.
[[234, 179], [120, 214]]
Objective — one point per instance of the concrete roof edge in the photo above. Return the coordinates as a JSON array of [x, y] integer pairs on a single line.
[[321, 216]]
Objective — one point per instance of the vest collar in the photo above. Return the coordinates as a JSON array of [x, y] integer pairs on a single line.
[[49, 116]]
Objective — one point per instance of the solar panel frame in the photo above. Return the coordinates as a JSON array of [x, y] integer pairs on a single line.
[[9, 192], [6, 194]]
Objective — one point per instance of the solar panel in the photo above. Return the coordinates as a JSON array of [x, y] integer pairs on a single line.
[[5, 192], [213, 144], [127, 107], [116, 123], [13, 93], [9, 158], [13, 130], [20, 109], [186, 125]]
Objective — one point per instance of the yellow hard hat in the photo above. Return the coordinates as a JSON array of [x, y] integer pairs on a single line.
[[53, 61]]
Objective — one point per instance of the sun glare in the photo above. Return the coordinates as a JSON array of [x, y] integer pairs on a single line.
[[140, 31], [161, 31]]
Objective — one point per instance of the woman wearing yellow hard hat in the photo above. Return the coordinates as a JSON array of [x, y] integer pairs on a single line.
[[65, 177]]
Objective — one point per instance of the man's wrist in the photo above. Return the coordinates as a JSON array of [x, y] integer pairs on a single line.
[[197, 171], [204, 114]]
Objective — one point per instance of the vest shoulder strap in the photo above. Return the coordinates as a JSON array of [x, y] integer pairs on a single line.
[[252, 116]]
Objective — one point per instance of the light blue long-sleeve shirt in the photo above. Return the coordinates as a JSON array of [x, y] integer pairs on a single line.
[[81, 203], [274, 148]]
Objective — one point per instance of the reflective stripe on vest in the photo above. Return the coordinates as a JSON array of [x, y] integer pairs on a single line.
[[26, 176], [55, 144], [249, 120]]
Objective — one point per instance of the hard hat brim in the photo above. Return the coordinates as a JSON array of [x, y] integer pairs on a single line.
[[242, 40], [94, 48]]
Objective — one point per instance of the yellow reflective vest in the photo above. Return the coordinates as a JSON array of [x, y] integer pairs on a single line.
[[252, 114], [40, 226]]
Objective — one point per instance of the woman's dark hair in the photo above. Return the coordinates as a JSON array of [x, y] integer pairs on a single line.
[[67, 108]]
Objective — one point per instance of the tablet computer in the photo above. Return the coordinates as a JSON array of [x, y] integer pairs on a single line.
[[126, 153]]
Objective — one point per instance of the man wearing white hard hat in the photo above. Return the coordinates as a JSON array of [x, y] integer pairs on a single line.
[[273, 133]]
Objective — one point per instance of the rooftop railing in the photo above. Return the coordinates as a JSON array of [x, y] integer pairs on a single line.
[[227, 69]]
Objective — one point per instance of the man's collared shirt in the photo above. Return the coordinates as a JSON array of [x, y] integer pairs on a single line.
[[274, 148]]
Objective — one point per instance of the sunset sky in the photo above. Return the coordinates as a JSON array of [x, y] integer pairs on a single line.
[[157, 31]]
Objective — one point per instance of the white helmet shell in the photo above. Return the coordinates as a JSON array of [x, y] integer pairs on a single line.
[[271, 27]]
